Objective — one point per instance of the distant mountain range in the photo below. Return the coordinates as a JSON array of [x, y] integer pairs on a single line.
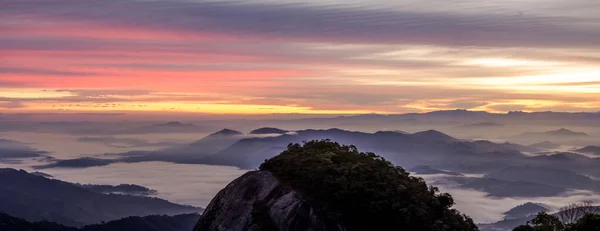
[[430, 148], [594, 150], [525, 210], [263, 131], [38, 198], [184, 222]]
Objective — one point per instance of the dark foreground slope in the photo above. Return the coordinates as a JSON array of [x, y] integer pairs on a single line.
[[37, 198], [322, 185], [184, 222]]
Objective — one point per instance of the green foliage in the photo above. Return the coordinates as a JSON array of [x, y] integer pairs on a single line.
[[589, 222], [523, 228], [365, 191], [546, 222]]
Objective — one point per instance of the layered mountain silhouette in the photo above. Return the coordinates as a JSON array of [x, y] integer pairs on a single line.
[[184, 222], [38, 198], [594, 150], [525, 210], [268, 130], [430, 148]]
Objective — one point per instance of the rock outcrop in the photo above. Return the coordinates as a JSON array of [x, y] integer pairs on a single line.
[[258, 201]]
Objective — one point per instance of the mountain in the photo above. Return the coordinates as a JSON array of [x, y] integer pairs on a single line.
[[560, 136], [41, 174], [37, 198], [77, 163], [565, 132], [426, 170], [323, 185], [545, 145], [524, 210], [227, 132], [410, 149], [127, 189], [594, 150], [184, 222], [228, 147], [215, 142], [268, 130]]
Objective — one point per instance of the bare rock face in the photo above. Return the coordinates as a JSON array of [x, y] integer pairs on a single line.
[[258, 201]]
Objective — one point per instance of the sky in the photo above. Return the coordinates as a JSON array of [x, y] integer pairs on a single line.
[[298, 57]]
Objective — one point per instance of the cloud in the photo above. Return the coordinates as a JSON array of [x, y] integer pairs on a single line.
[[37, 71], [10, 150], [11, 104], [302, 22]]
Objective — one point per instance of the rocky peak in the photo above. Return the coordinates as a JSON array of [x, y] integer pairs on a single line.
[[258, 201]]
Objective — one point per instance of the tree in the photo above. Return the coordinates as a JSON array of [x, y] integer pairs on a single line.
[[364, 191], [589, 222], [546, 222], [523, 228], [574, 211]]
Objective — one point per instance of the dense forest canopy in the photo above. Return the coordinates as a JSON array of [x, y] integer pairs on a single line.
[[365, 191]]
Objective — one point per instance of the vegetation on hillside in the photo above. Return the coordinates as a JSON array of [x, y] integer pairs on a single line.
[[184, 222], [575, 217], [365, 191]]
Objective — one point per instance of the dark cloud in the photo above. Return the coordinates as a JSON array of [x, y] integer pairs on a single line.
[[311, 23]]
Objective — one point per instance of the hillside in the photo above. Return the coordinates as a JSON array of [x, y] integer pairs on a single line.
[[37, 198], [184, 222]]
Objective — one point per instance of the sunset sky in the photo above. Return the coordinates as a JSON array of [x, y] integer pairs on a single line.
[[292, 56]]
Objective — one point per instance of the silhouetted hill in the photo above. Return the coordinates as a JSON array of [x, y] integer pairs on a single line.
[[545, 145], [184, 222], [565, 132], [41, 174], [267, 130], [37, 198], [524, 210], [226, 132], [10, 223], [77, 163], [560, 136], [595, 150], [431, 148], [408, 148], [128, 189]]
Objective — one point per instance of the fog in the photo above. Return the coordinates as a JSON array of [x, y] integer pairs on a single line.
[[556, 142]]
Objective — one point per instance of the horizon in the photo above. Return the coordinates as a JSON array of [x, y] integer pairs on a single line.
[[190, 116]]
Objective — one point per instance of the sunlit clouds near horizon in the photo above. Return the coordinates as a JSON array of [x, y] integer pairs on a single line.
[[301, 57]]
